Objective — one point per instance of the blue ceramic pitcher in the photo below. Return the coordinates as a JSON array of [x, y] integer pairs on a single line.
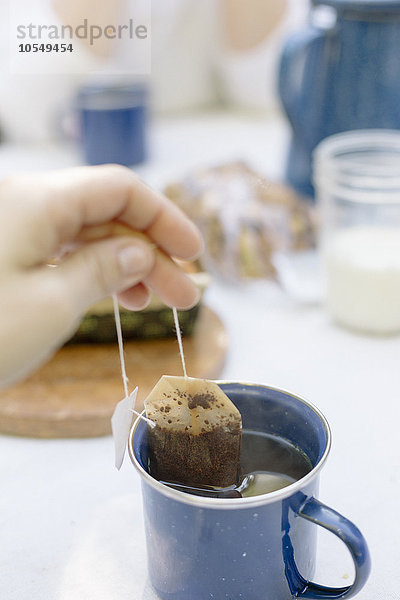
[[340, 75]]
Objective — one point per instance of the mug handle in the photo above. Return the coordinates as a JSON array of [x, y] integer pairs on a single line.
[[323, 515], [294, 51]]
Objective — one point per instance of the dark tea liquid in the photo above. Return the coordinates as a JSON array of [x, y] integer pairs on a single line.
[[274, 461], [271, 462]]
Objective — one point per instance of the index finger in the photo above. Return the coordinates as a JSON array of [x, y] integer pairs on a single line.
[[110, 192], [53, 209]]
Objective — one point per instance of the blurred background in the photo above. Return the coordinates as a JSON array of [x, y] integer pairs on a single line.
[[205, 55], [206, 125]]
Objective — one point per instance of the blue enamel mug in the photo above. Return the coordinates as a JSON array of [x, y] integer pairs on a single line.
[[340, 72], [255, 548]]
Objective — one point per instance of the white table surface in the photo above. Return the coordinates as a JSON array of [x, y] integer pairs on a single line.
[[71, 525]]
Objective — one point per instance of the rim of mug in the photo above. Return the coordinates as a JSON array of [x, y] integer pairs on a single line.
[[235, 503], [102, 97], [358, 181]]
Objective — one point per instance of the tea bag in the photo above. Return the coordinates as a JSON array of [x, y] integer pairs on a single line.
[[197, 435]]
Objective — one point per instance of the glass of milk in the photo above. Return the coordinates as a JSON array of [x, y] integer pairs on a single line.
[[357, 182]]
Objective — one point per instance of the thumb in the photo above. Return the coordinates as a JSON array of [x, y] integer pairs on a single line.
[[42, 307], [104, 267], [32, 330]]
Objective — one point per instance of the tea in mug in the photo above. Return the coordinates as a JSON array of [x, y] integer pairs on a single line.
[[273, 462], [268, 463]]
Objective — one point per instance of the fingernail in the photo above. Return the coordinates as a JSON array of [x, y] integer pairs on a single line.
[[134, 259], [197, 297]]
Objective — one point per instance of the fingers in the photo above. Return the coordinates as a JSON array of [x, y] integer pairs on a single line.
[[127, 266], [50, 301], [54, 208], [135, 298], [163, 222], [171, 284], [102, 268], [92, 210]]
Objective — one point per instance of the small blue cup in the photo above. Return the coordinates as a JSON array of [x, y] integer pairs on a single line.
[[113, 124], [254, 548]]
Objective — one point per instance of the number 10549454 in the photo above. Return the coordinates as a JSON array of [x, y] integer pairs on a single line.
[[45, 48]]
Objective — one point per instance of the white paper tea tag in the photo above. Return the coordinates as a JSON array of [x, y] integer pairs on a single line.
[[121, 423]]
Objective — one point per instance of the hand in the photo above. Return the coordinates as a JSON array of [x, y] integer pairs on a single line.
[[249, 24], [111, 234]]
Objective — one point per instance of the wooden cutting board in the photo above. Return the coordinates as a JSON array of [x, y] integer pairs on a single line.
[[75, 393]]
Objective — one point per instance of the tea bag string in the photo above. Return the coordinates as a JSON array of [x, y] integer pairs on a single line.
[[179, 338], [125, 379]]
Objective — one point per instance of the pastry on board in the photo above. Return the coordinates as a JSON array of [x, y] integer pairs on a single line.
[[244, 218]]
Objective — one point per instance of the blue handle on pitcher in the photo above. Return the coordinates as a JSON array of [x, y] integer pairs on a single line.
[[295, 50], [323, 515]]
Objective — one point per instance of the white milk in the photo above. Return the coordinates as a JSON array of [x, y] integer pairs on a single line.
[[363, 278]]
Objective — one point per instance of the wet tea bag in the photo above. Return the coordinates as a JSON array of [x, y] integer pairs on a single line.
[[197, 435]]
